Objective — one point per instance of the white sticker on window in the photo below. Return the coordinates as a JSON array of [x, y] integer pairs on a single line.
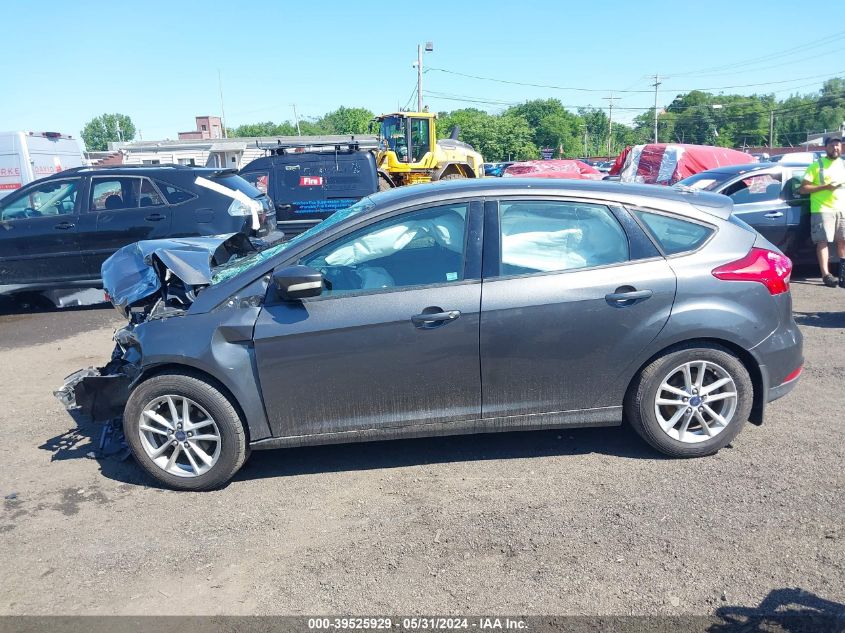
[[451, 276]]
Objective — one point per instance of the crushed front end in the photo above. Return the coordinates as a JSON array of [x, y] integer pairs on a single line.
[[146, 281]]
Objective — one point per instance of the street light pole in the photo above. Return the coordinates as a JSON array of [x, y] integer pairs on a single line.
[[419, 79], [429, 47]]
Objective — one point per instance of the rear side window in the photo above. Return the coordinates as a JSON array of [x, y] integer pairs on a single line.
[[174, 195], [673, 234], [548, 236]]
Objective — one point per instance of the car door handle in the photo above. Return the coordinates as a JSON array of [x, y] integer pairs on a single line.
[[64, 226], [434, 319], [774, 214], [155, 217], [623, 297]]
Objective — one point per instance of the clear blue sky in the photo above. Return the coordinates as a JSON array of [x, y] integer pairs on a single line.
[[158, 61]]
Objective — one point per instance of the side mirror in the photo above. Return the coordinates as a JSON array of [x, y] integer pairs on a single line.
[[298, 282]]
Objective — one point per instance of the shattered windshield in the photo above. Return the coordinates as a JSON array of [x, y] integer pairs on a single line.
[[232, 269]]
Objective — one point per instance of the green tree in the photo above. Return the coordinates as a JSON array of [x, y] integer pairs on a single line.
[[347, 121], [513, 139], [268, 128], [102, 130]]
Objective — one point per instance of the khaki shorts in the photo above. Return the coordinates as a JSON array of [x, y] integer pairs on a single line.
[[827, 226]]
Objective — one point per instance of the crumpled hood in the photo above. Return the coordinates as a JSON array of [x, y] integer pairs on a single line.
[[138, 271]]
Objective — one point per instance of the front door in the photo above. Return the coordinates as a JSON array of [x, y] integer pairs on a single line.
[[393, 340], [38, 234], [566, 310]]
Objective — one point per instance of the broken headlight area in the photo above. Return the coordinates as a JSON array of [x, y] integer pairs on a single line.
[[161, 278], [101, 392]]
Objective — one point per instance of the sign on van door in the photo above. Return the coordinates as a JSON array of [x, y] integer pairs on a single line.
[[10, 172], [44, 165]]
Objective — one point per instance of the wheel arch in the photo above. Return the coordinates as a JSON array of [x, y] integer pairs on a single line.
[[746, 358], [199, 374], [463, 169]]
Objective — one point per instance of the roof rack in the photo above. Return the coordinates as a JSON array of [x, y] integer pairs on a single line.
[[280, 146], [135, 166]]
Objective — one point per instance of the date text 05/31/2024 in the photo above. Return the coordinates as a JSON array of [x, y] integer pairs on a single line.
[[417, 623]]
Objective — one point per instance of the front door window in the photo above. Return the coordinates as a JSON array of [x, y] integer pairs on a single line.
[[420, 248], [53, 198]]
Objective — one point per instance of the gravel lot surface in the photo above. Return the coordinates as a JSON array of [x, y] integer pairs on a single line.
[[572, 522]]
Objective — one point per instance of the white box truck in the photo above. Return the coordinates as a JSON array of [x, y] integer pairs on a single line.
[[28, 156]]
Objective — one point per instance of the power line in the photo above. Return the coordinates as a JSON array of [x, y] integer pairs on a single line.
[[802, 47], [581, 89]]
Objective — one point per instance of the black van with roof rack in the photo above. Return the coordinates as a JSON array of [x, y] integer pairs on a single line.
[[309, 182]]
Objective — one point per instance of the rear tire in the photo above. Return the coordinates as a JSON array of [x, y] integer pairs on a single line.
[[384, 184], [453, 176], [690, 402], [158, 417]]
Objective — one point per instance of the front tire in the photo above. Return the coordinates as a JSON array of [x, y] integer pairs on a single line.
[[184, 432], [690, 402], [453, 176]]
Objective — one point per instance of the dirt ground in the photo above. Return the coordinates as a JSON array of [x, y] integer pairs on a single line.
[[572, 522]]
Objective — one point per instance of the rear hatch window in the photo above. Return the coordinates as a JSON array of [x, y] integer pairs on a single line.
[[317, 185]]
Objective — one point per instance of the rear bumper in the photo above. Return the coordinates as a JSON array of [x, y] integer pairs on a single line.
[[782, 389], [780, 359]]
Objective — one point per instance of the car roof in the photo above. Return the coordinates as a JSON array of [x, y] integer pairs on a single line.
[[135, 170], [736, 170], [610, 191]]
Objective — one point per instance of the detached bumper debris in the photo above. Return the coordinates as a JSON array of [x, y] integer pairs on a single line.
[[113, 441], [97, 392]]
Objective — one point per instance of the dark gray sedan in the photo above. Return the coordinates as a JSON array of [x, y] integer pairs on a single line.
[[459, 307]]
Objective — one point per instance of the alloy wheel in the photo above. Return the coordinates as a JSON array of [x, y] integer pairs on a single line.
[[695, 401], [179, 436]]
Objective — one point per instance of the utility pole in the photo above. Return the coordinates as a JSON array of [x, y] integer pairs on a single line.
[[117, 125], [222, 110], [586, 155], [296, 119], [429, 47], [656, 85], [610, 101], [771, 128]]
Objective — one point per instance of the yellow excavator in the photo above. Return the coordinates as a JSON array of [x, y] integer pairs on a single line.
[[409, 152]]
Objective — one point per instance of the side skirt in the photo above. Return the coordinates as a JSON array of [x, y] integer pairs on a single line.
[[607, 416]]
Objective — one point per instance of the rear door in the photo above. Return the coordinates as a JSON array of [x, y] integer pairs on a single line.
[[121, 210], [571, 296], [759, 200], [38, 234]]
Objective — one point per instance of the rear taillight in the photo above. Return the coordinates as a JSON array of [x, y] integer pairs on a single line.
[[766, 267], [794, 374]]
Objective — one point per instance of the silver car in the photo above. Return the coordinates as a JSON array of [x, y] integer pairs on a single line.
[[460, 307]]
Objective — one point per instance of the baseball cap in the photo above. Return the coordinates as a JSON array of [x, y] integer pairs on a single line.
[[832, 138]]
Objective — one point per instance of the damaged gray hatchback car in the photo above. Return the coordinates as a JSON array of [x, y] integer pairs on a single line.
[[460, 307]]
